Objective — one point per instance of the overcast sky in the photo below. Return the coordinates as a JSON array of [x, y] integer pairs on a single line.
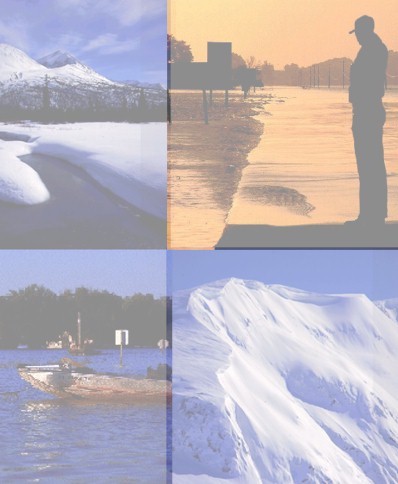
[[373, 273], [280, 31], [120, 39], [123, 272]]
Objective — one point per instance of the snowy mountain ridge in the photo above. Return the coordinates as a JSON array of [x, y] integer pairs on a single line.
[[71, 83], [274, 384]]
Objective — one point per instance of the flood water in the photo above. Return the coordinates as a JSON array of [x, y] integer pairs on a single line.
[[205, 163], [47, 439], [304, 171]]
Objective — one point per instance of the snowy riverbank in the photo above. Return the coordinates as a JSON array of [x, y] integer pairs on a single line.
[[127, 159]]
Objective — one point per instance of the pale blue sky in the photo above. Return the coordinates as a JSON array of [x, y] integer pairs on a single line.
[[373, 273], [123, 272], [121, 39]]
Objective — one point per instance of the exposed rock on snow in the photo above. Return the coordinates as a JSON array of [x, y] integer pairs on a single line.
[[273, 384], [58, 59]]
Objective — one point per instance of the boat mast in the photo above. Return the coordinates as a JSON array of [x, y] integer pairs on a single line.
[[79, 332]]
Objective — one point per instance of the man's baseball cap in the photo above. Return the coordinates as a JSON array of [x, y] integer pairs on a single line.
[[364, 24]]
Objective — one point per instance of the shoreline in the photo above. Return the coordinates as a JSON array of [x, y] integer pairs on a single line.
[[205, 163]]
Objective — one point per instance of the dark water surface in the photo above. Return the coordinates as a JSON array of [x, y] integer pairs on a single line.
[[79, 214], [46, 439]]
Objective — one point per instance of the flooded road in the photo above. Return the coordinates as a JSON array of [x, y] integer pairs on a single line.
[[303, 171]]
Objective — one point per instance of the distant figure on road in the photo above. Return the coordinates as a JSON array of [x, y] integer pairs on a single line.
[[367, 86]]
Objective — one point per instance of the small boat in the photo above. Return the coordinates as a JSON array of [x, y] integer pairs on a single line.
[[73, 380], [54, 345]]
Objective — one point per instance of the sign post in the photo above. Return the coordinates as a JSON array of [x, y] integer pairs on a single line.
[[122, 339]]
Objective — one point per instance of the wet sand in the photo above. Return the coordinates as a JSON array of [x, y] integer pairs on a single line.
[[205, 163], [80, 214]]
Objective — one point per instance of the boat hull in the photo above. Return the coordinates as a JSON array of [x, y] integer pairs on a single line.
[[71, 384]]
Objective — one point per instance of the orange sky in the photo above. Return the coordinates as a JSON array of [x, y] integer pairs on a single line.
[[280, 31]]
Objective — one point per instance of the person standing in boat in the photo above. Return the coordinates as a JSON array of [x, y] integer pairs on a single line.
[[367, 87]]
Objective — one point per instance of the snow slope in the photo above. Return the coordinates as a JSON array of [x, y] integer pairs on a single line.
[[389, 307], [14, 62], [19, 183], [277, 385], [127, 159]]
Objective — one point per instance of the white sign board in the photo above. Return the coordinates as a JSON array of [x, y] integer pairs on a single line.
[[163, 344], [122, 337]]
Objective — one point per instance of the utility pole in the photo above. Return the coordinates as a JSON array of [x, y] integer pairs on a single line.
[[329, 77], [343, 75], [79, 332]]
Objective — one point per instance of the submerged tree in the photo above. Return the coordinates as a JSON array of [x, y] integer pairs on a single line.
[[238, 61]]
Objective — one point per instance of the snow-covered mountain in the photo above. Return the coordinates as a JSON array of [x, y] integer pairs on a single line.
[[276, 385], [70, 83]]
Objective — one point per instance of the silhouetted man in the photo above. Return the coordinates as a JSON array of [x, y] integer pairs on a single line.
[[367, 85]]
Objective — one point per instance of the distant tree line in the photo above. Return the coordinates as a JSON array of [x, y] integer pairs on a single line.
[[332, 72], [90, 110], [51, 115], [34, 315]]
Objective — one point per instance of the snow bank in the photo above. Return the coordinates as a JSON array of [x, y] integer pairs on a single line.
[[273, 384], [127, 159], [19, 183]]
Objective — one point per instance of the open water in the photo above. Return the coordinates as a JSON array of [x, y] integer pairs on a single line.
[[47, 439]]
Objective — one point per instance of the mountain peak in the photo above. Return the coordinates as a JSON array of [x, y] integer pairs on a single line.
[[58, 58]]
